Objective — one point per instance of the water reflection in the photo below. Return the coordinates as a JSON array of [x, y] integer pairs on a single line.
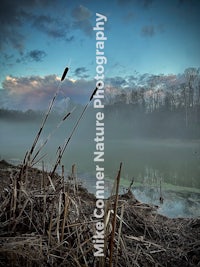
[[173, 164], [175, 204], [172, 161], [177, 201]]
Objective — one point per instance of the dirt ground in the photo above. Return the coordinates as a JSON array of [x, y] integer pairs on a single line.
[[38, 231]]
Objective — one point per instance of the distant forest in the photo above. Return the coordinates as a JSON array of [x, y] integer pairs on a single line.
[[15, 115], [144, 111], [151, 111]]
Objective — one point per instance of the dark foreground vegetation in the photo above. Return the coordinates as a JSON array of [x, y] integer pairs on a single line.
[[48, 221]]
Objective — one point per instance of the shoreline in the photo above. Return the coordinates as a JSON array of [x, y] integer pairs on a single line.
[[186, 200], [52, 219]]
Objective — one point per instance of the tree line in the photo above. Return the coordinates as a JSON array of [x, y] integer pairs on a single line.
[[170, 109]]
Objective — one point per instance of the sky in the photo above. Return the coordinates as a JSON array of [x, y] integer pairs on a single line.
[[39, 38]]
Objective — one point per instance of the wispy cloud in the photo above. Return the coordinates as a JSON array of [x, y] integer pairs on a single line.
[[147, 3], [81, 72], [130, 16], [191, 2], [33, 55], [125, 2], [81, 13], [81, 19], [151, 30], [36, 55], [54, 27], [148, 31], [143, 3]]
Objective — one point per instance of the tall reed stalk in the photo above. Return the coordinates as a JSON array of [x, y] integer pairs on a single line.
[[114, 217], [60, 155], [28, 157], [51, 134]]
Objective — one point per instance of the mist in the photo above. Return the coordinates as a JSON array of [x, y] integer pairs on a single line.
[[140, 146], [154, 147]]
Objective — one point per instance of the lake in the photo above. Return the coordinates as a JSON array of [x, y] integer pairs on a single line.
[[167, 167]]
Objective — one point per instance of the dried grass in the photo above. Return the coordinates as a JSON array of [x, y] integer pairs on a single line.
[[48, 221]]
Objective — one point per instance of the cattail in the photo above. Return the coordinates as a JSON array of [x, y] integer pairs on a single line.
[[68, 114], [46, 117], [95, 90], [64, 73]]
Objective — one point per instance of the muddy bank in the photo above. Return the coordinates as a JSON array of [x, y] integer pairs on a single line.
[[48, 221]]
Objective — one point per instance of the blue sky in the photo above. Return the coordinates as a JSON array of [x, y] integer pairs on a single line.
[[39, 38]]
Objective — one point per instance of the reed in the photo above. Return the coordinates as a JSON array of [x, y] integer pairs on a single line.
[[67, 140], [50, 135], [114, 217], [29, 154]]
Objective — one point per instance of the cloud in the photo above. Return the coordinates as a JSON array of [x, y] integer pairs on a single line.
[[33, 55], [125, 2], [48, 25], [81, 72], [11, 12], [52, 26], [8, 102], [140, 80], [81, 19], [81, 13], [191, 2], [35, 92], [117, 82], [36, 55], [84, 26], [129, 16], [6, 60], [129, 82], [11, 18], [180, 2], [144, 3], [147, 3], [10, 36], [18, 16], [148, 31], [160, 28], [14, 15], [7, 57], [151, 30]]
